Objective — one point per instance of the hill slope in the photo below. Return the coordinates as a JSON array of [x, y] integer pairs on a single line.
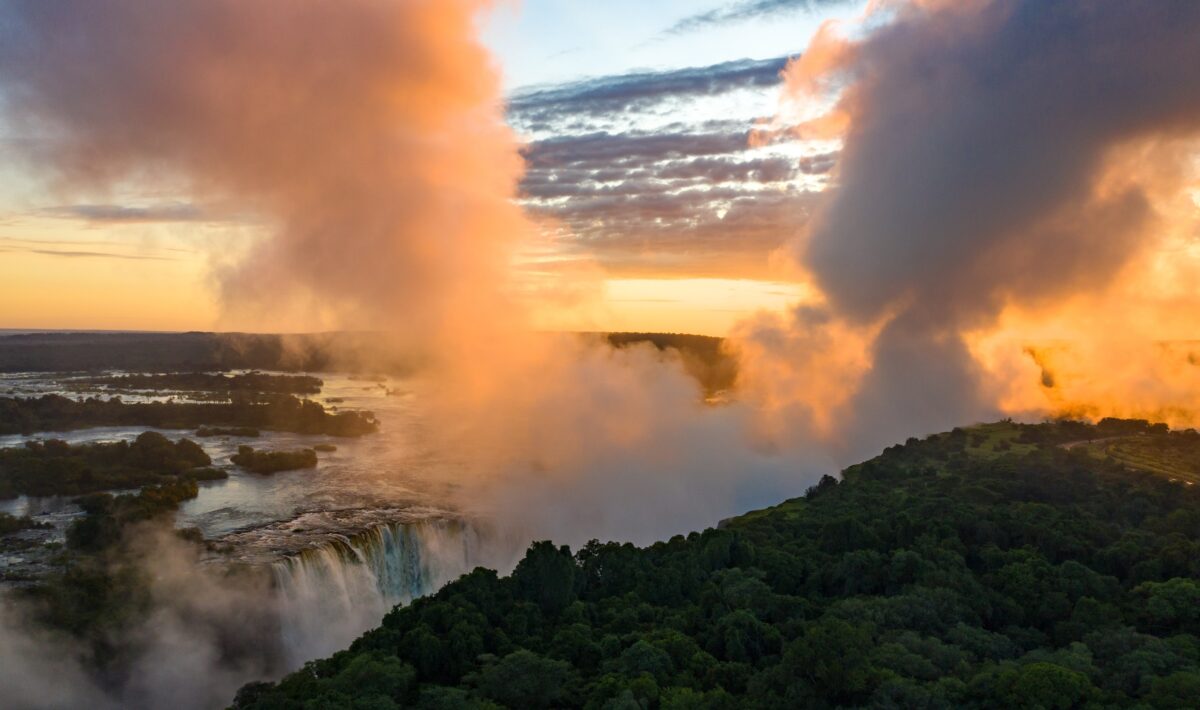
[[1005, 566]]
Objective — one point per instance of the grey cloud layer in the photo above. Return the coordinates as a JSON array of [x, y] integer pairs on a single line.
[[640, 90], [690, 195], [745, 10], [631, 148]]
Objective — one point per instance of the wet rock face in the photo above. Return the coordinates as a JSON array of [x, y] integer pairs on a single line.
[[343, 583]]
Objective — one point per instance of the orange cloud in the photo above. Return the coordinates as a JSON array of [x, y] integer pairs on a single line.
[[1013, 173]]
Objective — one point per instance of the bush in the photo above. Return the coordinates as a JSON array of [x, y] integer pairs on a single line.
[[267, 462]]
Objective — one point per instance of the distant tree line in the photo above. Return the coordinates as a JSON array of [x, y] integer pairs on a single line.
[[26, 415], [703, 357], [212, 382], [242, 431]]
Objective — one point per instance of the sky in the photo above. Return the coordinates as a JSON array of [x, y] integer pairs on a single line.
[[634, 119]]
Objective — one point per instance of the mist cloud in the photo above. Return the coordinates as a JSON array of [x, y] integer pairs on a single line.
[[367, 136], [202, 635], [996, 155]]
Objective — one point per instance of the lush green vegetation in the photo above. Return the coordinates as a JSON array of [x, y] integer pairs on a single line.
[[213, 382], [274, 461], [106, 515], [95, 600], [11, 523], [1008, 566], [54, 467], [208, 431], [102, 590], [20, 415]]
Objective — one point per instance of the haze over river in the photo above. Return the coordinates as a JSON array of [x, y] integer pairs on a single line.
[[370, 526]]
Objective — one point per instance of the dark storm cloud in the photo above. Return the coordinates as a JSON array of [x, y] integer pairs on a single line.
[[745, 10], [607, 95]]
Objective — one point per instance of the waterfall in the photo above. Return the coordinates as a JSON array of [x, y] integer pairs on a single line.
[[332, 593]]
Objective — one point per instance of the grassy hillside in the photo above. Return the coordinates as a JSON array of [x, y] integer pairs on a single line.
[[1000, 566]]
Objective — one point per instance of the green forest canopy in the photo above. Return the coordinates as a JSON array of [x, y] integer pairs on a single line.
[[1003, 566], [54, 467]]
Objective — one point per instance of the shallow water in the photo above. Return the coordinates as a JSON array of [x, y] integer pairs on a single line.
[[367, 481], [340, 544]]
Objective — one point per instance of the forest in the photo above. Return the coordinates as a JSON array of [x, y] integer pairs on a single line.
[[54, 467], [1006, 565]]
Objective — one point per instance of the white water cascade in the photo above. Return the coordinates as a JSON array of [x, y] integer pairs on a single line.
[[332, 593]]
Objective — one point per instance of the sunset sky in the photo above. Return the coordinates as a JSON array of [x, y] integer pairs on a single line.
[[635, 121]]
